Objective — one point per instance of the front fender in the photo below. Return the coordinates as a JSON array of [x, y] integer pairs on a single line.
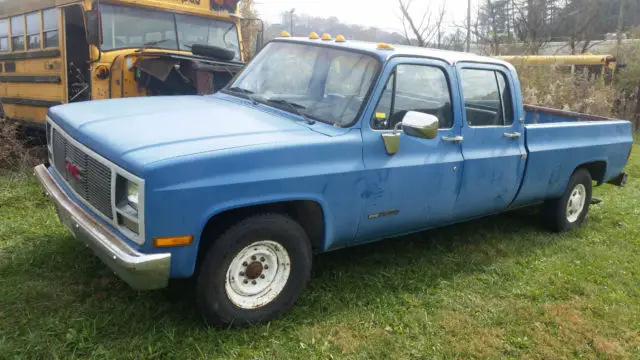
[[272, 199]]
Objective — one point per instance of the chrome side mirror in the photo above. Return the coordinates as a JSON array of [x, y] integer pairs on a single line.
[[416, 124], [420, 125]]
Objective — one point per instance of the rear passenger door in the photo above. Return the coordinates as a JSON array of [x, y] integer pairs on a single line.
[[492, 140]]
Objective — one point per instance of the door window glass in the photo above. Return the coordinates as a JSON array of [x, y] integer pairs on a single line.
[[487, 98], [418, 88]]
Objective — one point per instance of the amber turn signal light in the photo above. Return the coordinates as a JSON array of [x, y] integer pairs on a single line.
[[173, 241]]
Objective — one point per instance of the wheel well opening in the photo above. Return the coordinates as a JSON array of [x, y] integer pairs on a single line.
[[307, 213], [597, 169]]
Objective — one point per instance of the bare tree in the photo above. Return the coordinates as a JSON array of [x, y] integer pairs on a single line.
[[469, 26], [249, 29], [533, 22], [620, 27], [425, 30], [581, 25]]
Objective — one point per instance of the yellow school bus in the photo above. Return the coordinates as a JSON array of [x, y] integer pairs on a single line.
[[62, 51], [600, 66]]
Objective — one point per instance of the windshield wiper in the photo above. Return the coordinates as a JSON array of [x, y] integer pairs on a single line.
[[291, 106], [240, 90], [244, 93], [294, 108], [154, 43]]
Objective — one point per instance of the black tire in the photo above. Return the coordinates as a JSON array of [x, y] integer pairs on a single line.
[[214, 302], [555, 210]]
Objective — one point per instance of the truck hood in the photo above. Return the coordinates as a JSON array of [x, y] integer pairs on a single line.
[[136, 132]]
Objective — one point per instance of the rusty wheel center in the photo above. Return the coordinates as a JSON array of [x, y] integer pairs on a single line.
[[254, 270]]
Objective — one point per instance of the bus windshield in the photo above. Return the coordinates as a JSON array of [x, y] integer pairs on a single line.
[[133, 27]]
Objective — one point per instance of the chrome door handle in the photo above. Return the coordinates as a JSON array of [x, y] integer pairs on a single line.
[[457, 139], [514, 135]]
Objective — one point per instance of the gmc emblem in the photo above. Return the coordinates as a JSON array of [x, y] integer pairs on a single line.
[[73, 170]]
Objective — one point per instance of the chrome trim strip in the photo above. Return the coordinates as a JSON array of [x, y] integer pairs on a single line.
[[141, 271], [115, 171]]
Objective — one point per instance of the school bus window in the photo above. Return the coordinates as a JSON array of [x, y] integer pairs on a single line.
[[162, 29], [33, 30], [150, 27], [4, 35], [17, 33], [50, 27], [193, 30]]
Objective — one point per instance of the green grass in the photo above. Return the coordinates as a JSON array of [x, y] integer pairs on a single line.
[[501, 287]]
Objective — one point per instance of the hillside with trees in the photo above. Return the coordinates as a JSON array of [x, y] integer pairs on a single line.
[[495, 27]]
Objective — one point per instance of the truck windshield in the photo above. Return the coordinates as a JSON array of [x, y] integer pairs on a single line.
[[320, 82], [132, 27]]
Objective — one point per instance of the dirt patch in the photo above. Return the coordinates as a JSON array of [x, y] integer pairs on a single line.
[[341, 336], [610, 348], [574, 331], [456, 322]]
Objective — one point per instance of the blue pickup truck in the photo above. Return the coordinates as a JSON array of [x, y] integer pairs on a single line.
[[318, 144]]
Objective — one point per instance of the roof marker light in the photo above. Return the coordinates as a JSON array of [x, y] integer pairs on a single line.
[[285, 34], [385, 46], [340, 38], [314, 36], [326, 36]]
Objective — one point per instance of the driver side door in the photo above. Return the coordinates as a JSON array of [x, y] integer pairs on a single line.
[[416, 187]]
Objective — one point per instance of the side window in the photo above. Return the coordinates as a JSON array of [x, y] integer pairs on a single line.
[[4, 35], [50, 28], [505, 96], [487, 98], [418, 88], [17, 33], [33, 30]]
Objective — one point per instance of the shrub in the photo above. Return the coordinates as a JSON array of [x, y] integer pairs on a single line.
[[580, 92], [15, 152]]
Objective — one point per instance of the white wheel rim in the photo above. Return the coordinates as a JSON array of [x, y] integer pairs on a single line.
[[257, 274], [576, 202]]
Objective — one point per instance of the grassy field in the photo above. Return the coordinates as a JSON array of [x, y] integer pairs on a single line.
[[500, 287]]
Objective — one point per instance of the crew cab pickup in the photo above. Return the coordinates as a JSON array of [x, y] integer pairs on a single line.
[[318, 144]]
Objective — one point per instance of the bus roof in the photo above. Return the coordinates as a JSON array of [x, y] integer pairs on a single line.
[[560, 59], [12, 7]]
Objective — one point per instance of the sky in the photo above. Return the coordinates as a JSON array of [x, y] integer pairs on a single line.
[[379, 13]]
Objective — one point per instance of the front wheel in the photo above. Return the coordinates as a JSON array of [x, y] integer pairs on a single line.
[[570, 210], [254, 272]]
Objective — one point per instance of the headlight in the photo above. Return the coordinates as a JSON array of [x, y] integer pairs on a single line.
[[127, 206], [132, 194]]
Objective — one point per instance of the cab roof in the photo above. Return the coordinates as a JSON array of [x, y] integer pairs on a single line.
[[450, 57]]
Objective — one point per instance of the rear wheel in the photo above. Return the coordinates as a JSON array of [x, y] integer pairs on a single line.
[[570, 210], [254, 272]]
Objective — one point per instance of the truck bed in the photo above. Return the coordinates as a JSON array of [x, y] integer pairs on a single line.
[[560, 141]]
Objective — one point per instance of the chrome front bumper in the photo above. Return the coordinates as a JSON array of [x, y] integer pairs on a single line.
[[141, 271]]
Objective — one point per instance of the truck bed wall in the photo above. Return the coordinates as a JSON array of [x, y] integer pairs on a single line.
[[556, 149], [542, 115]]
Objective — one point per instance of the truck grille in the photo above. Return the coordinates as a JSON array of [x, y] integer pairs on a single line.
[[88, 177]]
